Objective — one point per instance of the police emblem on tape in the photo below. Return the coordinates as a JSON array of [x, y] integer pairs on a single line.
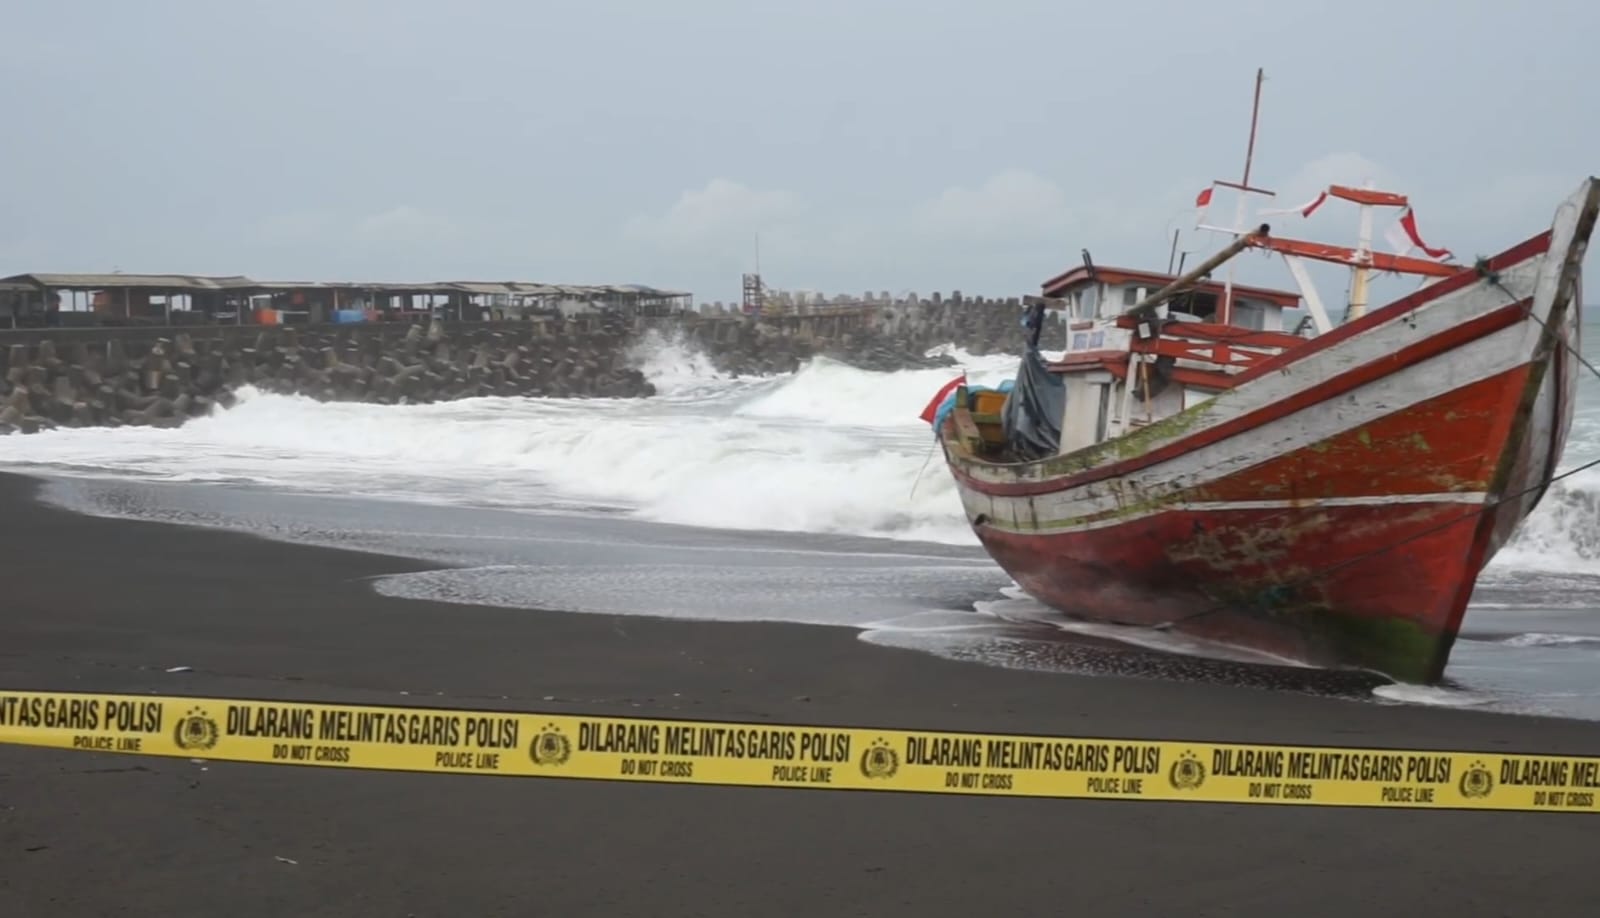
[[1187, 772], [879, 761], [1476, 781], [196, 730], [550, 747]]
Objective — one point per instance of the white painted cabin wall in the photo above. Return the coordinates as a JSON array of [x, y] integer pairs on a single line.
[[1120, 297], [1080, 416], [1274, 318], [1112, 300], [1168, 403], [1077, 415], [1080, 420]]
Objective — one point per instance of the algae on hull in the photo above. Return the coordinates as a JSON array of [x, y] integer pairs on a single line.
[[1127, 446], [1133, 444]]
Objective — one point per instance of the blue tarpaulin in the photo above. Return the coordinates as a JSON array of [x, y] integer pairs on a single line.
[[1032, 418]]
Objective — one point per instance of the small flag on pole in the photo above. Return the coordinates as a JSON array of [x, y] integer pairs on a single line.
[[932, 410], [1403, 236], [1201, 202], [1304, 210]]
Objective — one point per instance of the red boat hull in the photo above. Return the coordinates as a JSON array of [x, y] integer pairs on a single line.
[[1337, 506], [1390, 613]]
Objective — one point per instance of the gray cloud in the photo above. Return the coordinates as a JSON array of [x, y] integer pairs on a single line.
[[924, 144]]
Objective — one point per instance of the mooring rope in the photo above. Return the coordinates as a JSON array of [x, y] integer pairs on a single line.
[[915, 481]]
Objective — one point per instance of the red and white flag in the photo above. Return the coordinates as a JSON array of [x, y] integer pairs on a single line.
[[1403, 237], [1201, 202], [932, 410], [1304, 210]]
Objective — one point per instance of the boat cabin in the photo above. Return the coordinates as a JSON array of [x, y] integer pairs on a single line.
[[1208, 334], [1103, 293]]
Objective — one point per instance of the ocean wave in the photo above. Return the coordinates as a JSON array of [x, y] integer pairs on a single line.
[[829, 448], [1562, 536], [1545, 639]]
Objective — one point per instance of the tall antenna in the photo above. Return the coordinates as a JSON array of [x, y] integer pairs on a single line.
[[1225, 308], [754, 295], [1255, 112], [1225, 314]]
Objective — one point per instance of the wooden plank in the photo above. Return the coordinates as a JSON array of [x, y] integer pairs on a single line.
[[966, 430], [1233, 334]]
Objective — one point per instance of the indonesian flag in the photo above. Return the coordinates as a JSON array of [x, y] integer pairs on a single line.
[[1403, 236], [1201, 202], [932, 410], [1304, 210]]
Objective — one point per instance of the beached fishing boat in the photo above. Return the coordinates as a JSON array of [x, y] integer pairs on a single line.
[[1326, 494]]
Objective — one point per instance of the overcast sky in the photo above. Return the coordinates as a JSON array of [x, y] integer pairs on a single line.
[[920, 145]]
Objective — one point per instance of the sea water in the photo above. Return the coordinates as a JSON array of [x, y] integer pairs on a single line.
[[816, 496]]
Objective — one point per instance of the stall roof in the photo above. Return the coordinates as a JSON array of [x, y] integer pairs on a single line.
[[238, 283], [129, 281]]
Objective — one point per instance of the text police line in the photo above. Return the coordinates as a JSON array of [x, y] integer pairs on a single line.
[[441, 741]]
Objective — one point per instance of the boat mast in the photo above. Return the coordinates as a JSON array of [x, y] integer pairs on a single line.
[[1358, 283], [1239, 229], [1225, 315], [1255, 114]]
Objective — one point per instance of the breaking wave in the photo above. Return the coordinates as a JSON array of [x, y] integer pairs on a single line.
[[1563, 535], [1543, 639], [827, 449], [830, 448]]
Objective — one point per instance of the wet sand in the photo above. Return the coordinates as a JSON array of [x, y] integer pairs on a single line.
[[100, 604]]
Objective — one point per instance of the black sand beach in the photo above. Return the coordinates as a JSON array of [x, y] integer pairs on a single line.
[[89, 603]]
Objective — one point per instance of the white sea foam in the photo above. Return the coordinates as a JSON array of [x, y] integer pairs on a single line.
[[1545, 639], [1017, 606], [1563, 535], [829, 449], [1432, 696]]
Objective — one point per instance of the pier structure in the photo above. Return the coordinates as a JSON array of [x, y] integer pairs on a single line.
[[77, 300]]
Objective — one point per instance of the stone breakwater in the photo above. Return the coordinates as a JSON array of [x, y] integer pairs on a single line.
[[111, 379], [887, 335], [163, 376], [979, 325]]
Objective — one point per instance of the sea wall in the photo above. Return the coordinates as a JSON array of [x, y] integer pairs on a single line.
[[161, 376], [980, 325]]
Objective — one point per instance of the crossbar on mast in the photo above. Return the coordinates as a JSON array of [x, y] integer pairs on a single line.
[[1369, 196], [1350, 257], [1247, 188]]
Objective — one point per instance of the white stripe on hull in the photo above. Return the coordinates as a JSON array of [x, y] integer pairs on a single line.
[[1365, 500], [1217, 506]]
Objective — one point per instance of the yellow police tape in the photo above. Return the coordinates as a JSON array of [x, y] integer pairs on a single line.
[[765, 755]]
